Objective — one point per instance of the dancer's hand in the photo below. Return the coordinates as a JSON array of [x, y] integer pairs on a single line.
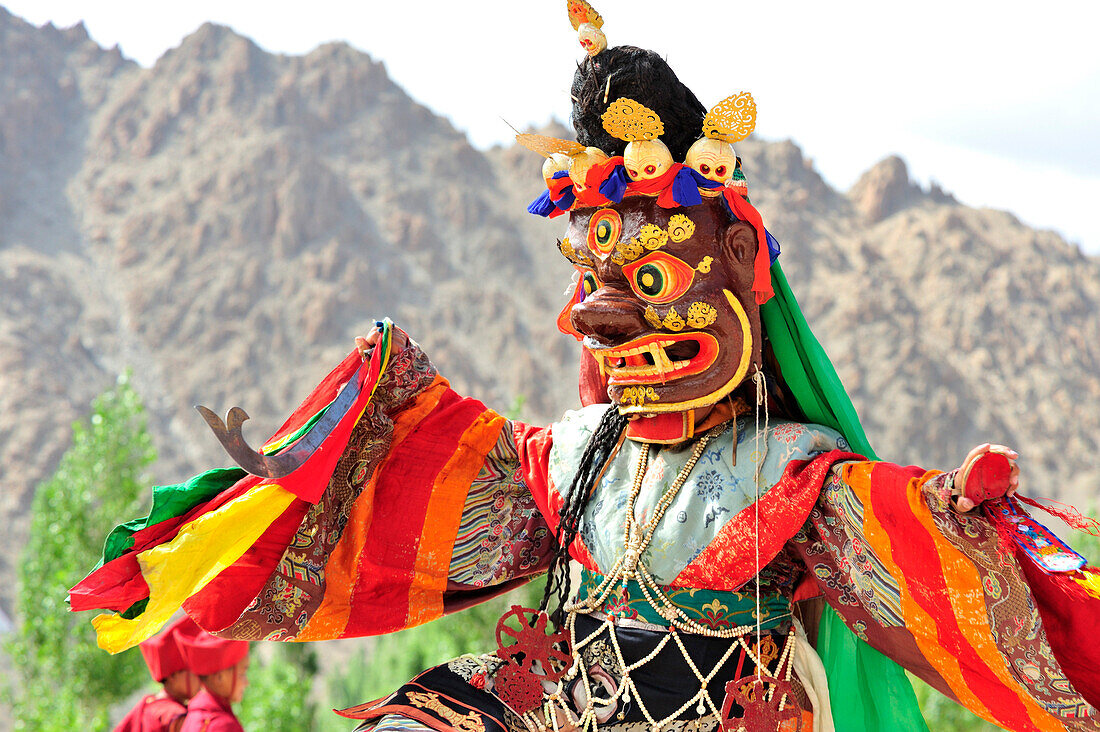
[[987, 473], [366, 345]]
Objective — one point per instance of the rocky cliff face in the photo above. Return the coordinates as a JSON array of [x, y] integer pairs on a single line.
[[228, 220]]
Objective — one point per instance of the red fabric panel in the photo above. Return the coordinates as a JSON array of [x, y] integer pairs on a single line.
[[534, 444], [1071, 618], [321, 395], [729, 561], [380, 600], [918, 560], [762, 277], [116, 585], [219, 604]]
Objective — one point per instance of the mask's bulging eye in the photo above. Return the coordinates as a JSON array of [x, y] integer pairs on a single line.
[[584, 286], [589, 283], [659, 278], [604, 229]]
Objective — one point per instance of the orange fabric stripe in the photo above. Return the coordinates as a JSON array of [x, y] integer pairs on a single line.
[[331, 617], [968, 601], [918, 622], [433, 560]]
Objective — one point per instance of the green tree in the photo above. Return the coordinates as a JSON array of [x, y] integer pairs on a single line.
[[278, 695], [62, 680]]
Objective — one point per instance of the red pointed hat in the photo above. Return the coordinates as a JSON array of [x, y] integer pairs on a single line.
[[206, 654], [162, 652]]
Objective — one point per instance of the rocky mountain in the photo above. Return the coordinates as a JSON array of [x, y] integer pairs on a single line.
[[227, 221]]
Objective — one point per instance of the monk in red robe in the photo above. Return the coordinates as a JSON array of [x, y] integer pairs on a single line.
[[222, 669], [164, 711]]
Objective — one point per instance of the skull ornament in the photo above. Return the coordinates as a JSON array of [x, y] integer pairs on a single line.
[[554, 164], [646, 159], [713, 159], [592, 39], [581, 162]]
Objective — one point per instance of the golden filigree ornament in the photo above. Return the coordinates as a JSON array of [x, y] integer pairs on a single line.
[[673, 321], [580, 163], [639, 395], [576, 256], [548, 146], [680, 227], [652, 236], [731, 120], [645, 157], [652, 317], [700, 315], [588, 23]]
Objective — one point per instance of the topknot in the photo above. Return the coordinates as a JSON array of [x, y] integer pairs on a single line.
[[645, 77]]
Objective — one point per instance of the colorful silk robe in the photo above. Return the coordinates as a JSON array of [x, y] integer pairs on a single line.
[[434, 503]]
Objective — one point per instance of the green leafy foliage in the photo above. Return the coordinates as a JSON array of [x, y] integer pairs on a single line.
[[62, 680], [278, 695], [944, 715]]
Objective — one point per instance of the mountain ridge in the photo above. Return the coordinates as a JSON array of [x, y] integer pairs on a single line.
[[226, 221]]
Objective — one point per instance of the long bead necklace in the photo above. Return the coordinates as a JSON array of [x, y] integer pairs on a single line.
[[629, 565]]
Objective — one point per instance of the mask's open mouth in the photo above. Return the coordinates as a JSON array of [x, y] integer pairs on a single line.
[[656, 359]]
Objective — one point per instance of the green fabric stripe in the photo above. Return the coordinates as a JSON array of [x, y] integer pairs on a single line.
[[806, 367], [868, 691], [714, 609]]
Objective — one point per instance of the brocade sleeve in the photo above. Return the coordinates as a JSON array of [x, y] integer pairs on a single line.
[[421, 509], [940, 593]]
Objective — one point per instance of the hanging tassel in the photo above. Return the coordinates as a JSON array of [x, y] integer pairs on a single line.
[[1070, 515]]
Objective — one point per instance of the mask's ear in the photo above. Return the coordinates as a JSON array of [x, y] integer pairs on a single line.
[[739, 244]]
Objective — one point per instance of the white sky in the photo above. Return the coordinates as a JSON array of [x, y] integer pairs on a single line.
[[998, 102]]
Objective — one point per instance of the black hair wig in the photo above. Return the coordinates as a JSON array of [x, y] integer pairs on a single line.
[[644, 77]]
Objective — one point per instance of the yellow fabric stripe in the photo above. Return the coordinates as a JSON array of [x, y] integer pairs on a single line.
[[200, 551]]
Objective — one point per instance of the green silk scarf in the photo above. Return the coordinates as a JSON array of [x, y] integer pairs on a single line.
[[867, 690]]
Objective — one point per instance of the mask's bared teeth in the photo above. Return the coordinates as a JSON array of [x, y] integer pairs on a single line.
[[600, 364], [658, 356]]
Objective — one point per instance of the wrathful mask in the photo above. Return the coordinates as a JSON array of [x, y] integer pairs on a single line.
[[664, 301]]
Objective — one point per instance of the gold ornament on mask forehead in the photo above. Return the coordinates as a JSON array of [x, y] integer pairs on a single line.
[[581, 162], [731, 120]]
